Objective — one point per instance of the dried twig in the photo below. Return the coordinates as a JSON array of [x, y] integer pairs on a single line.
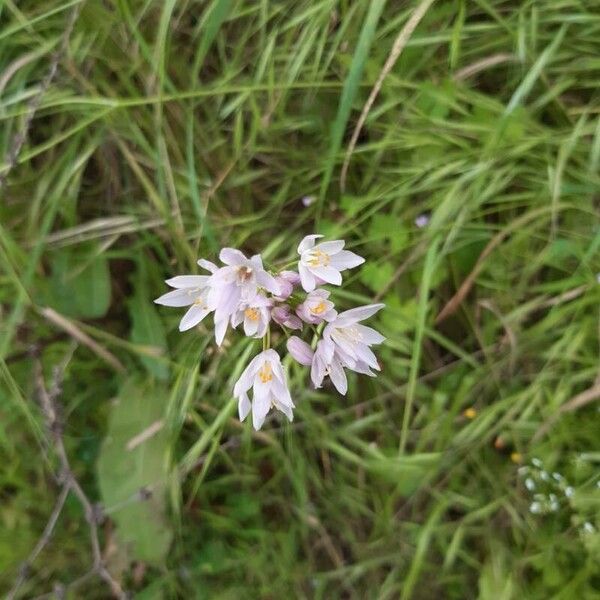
[[34, 103], [82, 337], [399, 44], [483, 64], [49, 404]]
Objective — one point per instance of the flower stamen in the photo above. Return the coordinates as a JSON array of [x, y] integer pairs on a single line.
[[252, 314], [265, 373]]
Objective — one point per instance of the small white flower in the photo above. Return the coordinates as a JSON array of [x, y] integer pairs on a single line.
[[316, 308], [352, 340], [324, 261], [588, 527], [266, 377], [308, 200], [530, 484], [536, 462], [535, 508], [255, 315], [238, 282], [544, 475], [569, 491], [193, 291], [422, 221]]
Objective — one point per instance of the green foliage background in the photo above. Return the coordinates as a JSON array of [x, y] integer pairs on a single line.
[[172, 129]]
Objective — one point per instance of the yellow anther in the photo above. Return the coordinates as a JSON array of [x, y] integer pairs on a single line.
[[319, 259], [516, 458], [265, 372], [321, 307], [252, 314]]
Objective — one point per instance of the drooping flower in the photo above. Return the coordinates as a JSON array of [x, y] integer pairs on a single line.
[[352, 340], [255, 315], [323, 362], [324, 261], [267, 379], [283, 316], [316, 308]]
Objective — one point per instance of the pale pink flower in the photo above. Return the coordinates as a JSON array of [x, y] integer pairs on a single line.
[[286, 280], [255, 315], [238, 282], [300, 350], [323, 362], [267, 379], [282, 315], [316, 308], [192, 291], [352, 340], [324, 261]]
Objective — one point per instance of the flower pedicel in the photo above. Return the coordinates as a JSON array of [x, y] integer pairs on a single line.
[[243, 292]]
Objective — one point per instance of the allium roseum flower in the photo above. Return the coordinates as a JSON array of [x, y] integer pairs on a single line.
[[322, 362], [255, 315], [324, 261], [352, 340], [243, 292], [192, 291], [316, 308], [265, 376]]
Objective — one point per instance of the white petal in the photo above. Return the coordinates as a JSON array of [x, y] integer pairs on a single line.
[[244, 406], [221, 323], [286, 410], [306, 278], [317, 372], [250, 327], [300, 350], [231, 256], [257, 263], [354, 315], [308, 242], [207, 265], [244, 383], [177, 298], [331, 247], [361, 367], [368, 335], [328, 274], [338, 377], [227, 299], [188, 281], [365, 354], [261, 403], [192, 317], [281, 393], [346, 260], [268, 282]]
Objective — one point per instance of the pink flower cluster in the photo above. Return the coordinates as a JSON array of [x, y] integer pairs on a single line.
[[242, 292]]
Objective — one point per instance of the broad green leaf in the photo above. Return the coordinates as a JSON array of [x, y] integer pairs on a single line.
[[79, 284], [133, 458]]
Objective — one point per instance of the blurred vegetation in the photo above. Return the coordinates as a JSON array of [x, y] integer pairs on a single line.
[[171, 129]]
